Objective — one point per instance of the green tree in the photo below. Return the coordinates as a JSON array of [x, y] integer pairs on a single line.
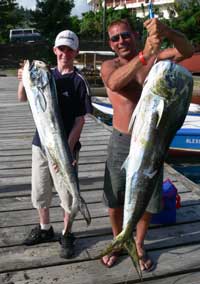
[[91, 26], [50, 17], [188, 20], [9, 18], [75, 24]]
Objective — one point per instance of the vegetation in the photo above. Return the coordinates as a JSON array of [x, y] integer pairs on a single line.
[[10, 14], [188, 20], [56, 15], [52, 16]]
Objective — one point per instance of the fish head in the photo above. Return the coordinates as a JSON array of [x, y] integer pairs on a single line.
[[36, 73], [36, 76], [39, 74], [170, 80]]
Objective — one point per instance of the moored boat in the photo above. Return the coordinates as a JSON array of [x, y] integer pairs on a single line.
[[187, 139]]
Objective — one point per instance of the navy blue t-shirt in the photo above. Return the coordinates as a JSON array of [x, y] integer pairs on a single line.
[[73, 99]]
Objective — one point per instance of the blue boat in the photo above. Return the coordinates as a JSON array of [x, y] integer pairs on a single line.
[[187, 139]]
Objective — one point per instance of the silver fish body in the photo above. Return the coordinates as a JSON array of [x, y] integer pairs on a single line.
[[160, 112], [41, 93]]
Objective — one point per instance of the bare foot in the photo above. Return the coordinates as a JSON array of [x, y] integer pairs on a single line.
[[146, 263], [110, 260]]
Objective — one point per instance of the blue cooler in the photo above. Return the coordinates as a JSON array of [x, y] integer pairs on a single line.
[[169, 198]]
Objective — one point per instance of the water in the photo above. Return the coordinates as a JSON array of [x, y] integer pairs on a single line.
[[191, 171], [189, 167]]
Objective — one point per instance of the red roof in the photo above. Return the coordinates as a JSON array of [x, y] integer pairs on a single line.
[[192, 63]]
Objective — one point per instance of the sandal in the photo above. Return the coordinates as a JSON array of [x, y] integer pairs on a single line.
[[146, 263], [111, 259]]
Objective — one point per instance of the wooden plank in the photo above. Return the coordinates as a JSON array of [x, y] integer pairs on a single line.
[[175, 247], [9, 184], [158, 236], [17, 171], [91, 271], [19, 144], [19, 202], [24, 202], [19, 175], [185, 181], [18, 164], [24, 189], [13, 236], [21, 153], [185, 278], [22, 217]]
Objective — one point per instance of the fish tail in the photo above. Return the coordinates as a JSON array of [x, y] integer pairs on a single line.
[[84, 211], [130, 246], [125, 241]]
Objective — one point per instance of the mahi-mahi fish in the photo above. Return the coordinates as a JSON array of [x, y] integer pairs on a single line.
[[42, 97], [160, 112]]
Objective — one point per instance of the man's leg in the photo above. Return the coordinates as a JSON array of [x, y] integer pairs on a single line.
[[154, 206], [116, 219], [141, 231], [41, 198], [114, 185], [67, 238], [44, 216]]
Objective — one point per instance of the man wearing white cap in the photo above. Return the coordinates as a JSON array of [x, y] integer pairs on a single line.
[[74, 103]]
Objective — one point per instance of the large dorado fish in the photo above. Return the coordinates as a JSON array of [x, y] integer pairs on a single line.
[[41, 93], [160, 112]]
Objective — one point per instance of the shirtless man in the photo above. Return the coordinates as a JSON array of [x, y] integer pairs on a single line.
[[123, 78]]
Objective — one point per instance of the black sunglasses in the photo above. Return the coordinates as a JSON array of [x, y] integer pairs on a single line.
[[123, 35]]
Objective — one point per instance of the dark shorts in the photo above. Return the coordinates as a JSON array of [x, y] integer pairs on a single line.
[[115, 177]]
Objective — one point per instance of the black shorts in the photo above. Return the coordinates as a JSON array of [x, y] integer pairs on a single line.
[[115, 177]]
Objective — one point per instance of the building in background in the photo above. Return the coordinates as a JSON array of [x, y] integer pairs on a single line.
[[165, 7]]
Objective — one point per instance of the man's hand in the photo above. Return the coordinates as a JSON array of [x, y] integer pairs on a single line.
[[19, 74], [56, 167], [20, 70], [156, 31]]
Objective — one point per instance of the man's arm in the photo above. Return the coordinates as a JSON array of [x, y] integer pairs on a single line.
[[73, 137], [182, 47], [21, 94], [116, 78], [75, 133]]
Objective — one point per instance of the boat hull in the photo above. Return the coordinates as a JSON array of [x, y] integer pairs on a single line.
[[186, 141]]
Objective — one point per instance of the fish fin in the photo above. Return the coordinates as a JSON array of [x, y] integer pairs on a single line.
[[130, 246], [84, 211], [150, 175], [124, 165], [160, 109], [132, 120]]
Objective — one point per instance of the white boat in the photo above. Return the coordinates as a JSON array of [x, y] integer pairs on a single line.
[[187, 138], [103, 105]]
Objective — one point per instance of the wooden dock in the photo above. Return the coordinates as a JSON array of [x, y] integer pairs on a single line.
[[175, 248]]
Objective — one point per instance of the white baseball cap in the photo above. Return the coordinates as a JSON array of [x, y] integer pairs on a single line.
[[67, 38]]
